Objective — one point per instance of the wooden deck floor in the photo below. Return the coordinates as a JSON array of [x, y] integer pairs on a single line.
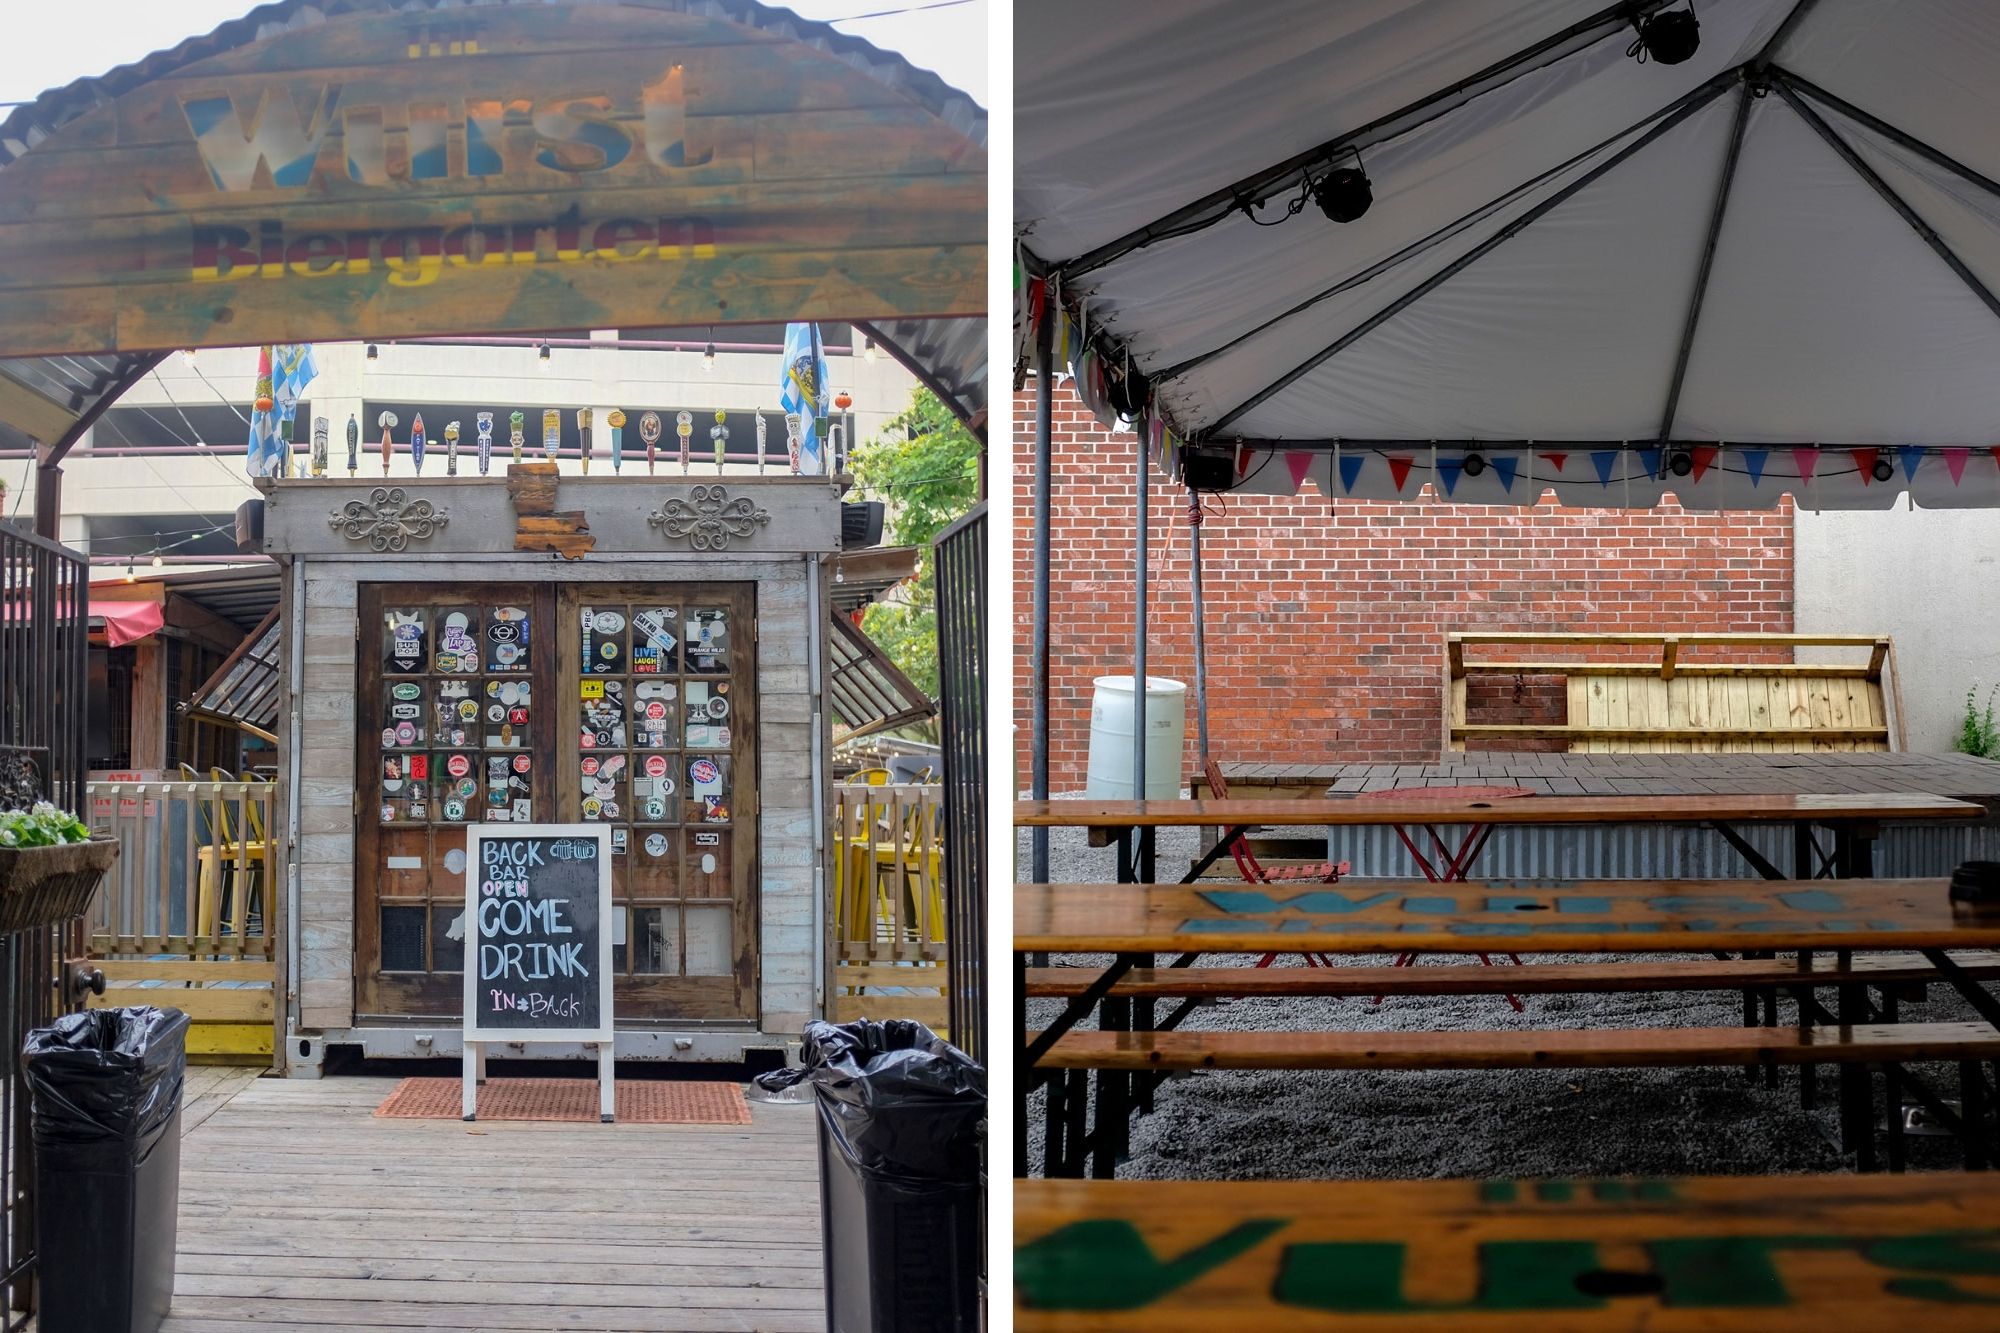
[[301, 1211]]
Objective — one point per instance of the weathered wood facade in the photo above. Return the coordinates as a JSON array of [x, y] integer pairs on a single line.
[[750, 548]]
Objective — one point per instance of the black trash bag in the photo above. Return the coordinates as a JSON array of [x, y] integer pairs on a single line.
[[902, 1105], [106, 1083]]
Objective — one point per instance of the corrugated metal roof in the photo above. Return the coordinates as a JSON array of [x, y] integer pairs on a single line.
[[948, 355]]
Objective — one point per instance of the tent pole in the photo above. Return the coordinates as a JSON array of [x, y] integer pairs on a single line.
[[1200, 626], [1038, 670], [1699, 295], [1144, 848]]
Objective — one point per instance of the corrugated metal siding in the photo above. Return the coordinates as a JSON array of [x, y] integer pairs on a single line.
[[1655, 851]]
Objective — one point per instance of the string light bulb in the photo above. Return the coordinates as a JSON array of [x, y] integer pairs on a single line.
[[542, 352], [374, 352], [187, 357], [868, 350], [708, 353], [158, 562], [131, 572]]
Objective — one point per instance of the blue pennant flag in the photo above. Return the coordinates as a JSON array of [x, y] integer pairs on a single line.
[[1507, 468], [1651, 458], [1448, 472], [1350, 468], [1753, 463], [1602, 460], [1912, 456]]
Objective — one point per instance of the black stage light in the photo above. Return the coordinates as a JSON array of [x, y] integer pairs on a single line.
[[1343, 194], [1474, 464], [1208, 471], [1668, 38], [1884, 470], [1680, 462]]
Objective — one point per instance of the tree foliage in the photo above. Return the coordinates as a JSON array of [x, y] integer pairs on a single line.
[[925, 465]]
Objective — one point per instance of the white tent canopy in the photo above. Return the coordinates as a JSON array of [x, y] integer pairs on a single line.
[[1769, 268]]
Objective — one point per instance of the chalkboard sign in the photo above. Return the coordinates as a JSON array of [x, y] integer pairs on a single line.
[[538, 946]]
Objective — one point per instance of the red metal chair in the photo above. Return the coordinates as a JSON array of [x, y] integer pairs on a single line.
[[1253, 872]]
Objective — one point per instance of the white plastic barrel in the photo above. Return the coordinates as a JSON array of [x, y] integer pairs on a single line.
[[1110, 772]]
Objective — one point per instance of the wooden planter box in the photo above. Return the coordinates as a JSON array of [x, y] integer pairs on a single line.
[[42, 886]]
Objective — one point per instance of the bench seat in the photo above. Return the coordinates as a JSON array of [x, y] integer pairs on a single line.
[[1724, 1255], [1532, 1049], [1891, 969]]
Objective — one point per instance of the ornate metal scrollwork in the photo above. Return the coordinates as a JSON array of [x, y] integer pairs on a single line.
[[388, 520], [708, 518]]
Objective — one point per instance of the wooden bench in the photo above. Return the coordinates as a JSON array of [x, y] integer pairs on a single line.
[[1806, 1253], [1602, 697], [1906, 971], [1560, 1048]]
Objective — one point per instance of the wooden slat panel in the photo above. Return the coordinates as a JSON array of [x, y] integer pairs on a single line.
[[203, 1006], [1595, 1048], [1819, 1254], [134, 969], [1390, 916], [1753, 738], [1560, 668]]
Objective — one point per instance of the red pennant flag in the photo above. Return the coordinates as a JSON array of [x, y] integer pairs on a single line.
[[1954, 463], [1808, 462], [1864, 463], [1704, 457], [1995, 451], [1556, 461], [1399, 469], [1300, 462]]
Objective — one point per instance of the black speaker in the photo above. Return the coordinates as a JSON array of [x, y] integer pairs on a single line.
[[1208, 472], [860, 524]]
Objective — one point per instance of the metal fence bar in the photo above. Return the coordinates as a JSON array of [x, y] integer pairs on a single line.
[[44, 684], [961, 605]]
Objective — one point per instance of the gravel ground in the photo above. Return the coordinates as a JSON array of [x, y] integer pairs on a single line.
[[1289, 1124]]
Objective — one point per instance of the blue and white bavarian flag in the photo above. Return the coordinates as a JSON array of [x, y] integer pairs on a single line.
[[270, 452], [803, 396]]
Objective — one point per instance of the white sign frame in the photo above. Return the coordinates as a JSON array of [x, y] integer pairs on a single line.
[[477, 1039]]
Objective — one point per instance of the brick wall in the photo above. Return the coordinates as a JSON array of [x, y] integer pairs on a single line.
[[1325, 628]]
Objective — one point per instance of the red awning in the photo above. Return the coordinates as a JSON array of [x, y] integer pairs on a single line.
[[126, 622]]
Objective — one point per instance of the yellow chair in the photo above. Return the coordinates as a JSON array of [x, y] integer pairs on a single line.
[[874, 777], [225, 847]]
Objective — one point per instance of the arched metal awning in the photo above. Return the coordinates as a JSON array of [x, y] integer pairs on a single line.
[[321, 169]]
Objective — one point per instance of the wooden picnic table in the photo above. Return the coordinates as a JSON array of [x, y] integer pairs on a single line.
[[1808, 1254], [1134, 922], [1853, 817]]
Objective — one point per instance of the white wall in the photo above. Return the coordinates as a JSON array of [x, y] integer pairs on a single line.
[[1928, 577]]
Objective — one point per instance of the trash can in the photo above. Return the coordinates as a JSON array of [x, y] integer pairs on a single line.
[[900, 1120], [106, 1089]]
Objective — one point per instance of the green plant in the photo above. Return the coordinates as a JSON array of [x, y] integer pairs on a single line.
[[925, 464], [1977, 733], [43, 826]]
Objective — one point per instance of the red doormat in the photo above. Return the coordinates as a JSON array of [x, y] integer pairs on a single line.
[[639, 1101]]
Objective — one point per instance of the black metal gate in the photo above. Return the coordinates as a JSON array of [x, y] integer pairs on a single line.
[[44, 640], [961, 607]]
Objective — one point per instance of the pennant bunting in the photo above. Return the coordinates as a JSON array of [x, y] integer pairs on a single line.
[[1807, 461], [1651, 458], [1299, 463], [1602, 461], [1912, 456], [1753, 463], [1864, 463], [1448, 472], [1507, 468], [1350, 468], [1704, 458], [1399, 468], [1556, 461], [1954, 463]]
